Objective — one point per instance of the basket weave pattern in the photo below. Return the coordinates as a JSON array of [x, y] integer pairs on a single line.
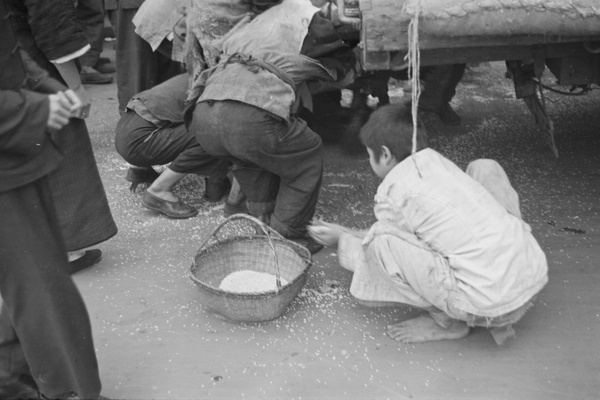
[[268, 252]]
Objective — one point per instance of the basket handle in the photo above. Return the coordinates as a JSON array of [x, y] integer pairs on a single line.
[[267, 230]]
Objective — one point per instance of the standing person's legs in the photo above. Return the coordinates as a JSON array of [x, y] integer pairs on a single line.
[[44, 306], [90, 14], [440, 83], [130, 53], [16, 381], [493, 177], [138, 67]]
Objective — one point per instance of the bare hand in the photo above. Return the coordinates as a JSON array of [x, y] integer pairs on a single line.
[[76, 103], [325, 233], [84, 99], [60, 111]]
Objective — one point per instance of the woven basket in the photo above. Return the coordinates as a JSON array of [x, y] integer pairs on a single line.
[[260, 249]]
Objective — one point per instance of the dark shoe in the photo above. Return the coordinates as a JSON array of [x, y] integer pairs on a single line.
[[172, 209], [140, 175], [215, 189], [308, 242], [89, 76], [104, 60], [89, 258], [449, 116], [105, 68]]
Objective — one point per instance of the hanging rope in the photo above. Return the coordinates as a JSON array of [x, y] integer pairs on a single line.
[[413, 58]]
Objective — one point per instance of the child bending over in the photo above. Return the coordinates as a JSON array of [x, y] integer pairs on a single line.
[[449, 242]]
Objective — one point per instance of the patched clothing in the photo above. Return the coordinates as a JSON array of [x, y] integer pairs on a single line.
[[246, 108], [261, 64]]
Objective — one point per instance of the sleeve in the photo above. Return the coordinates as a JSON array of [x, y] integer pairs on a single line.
[[23, 121], [38, 79], [55, 28]]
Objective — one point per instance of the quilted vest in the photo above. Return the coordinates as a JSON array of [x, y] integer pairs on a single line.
[[261, 63]]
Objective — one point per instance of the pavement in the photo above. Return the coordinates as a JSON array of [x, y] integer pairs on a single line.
[[155, 340]]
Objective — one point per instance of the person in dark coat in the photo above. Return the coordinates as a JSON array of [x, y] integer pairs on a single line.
[[50, 34], [46, 344]]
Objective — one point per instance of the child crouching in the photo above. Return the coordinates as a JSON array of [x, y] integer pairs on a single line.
[[449, 242]]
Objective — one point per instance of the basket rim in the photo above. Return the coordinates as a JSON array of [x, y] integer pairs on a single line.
[[305, 258]]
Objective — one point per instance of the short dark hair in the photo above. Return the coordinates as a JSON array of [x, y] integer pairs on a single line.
[[262, 5], [392, 126]]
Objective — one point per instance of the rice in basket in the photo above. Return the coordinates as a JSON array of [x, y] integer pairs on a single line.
[[247, 281]]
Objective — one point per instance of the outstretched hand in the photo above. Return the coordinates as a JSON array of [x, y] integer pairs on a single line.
[[325, 233]]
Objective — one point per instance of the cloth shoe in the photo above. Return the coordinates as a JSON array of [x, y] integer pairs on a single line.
[[105, 68], [172, 209], [89, 76], [89, 258], [140, 175], [215, 189]]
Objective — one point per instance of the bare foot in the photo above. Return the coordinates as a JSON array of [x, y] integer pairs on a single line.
[[425, 329]]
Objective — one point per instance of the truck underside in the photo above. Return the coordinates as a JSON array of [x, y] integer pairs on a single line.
[[531, 37]]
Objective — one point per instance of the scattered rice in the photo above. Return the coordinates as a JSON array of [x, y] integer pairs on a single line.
[[247, 281]]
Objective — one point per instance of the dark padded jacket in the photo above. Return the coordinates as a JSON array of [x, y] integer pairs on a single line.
[[26, 151]]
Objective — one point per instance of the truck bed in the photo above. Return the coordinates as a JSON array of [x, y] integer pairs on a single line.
[[467, 31]]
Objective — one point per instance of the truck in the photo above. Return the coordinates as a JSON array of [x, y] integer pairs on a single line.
[[533, 37]]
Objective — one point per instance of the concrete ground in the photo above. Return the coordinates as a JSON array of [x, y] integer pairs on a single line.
[[155, 341]]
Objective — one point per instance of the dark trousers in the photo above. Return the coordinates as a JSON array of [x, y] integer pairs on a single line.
[[279, 166], [45, 331], [440, 83], [143, 144], [90, 14], [138, 67]]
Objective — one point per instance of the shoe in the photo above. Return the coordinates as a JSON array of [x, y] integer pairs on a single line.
[[104, 60], [446, 114], [449, 116], [308, 242], [105, 68], [89, 258], [214, 189], [89, 76], [140, 175], [172, 209]]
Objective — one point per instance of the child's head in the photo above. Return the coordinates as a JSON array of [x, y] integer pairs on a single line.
[[391, 126]]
